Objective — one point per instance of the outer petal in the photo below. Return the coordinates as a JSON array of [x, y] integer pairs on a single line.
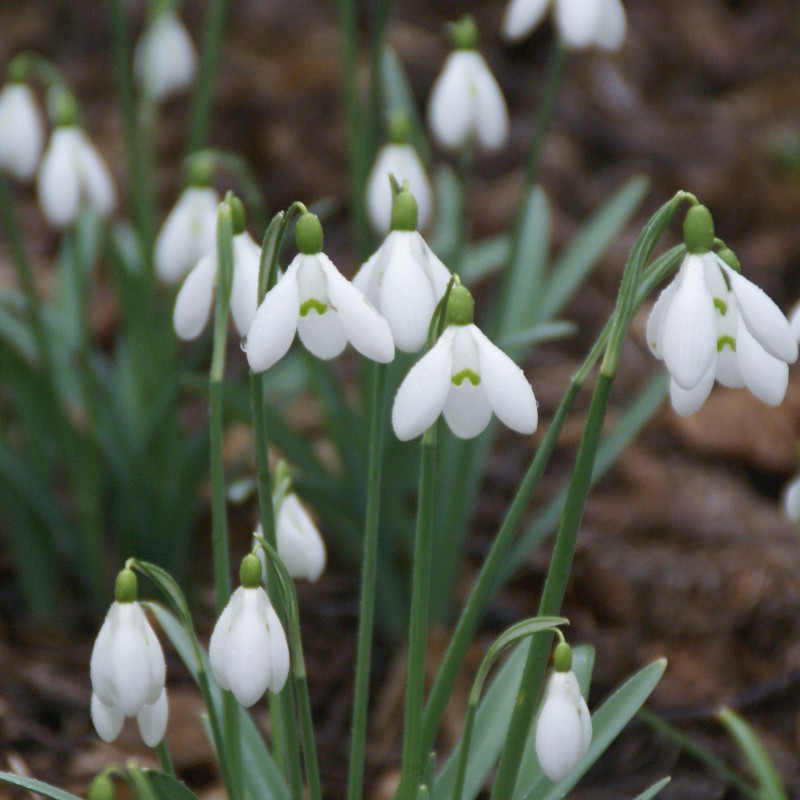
[[244, 291], [791, 499], [98, 185], [467, 411], [275, 322], [579, 21], [794, 321], [165, 60], [21, 131], [193, 303], [130, 661], [219, 641], [279, 652], [687, 401], [690, 333], [765, 376], [58, 182], [505, 386], [764, 320], [521, 17], [367, 279], [107, 720], [152, 720], [158, 667], [491, 114], [300, 545], [247, 652], [655, 322], [439, 274], [364, 327], [422, 395], [613, 25], [100, 665], [450, 108]]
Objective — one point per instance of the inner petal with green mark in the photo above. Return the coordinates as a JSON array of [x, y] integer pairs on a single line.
[[312, 305], [726, 341], [466, 374]]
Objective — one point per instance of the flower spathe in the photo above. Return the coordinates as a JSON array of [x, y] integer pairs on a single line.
[[194, 300], [580, 23], [404, 280], [314, 299], [188, 233], [21, 131], [165, 61], [72, 175], [248, 650], [712, 323], [564, 726], [128, 674]]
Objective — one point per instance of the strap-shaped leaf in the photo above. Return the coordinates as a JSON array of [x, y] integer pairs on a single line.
[[39, 787]]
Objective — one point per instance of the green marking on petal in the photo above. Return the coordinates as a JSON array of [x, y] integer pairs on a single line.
[[726, 341], [466, 374], [721, 306], [312, 304]]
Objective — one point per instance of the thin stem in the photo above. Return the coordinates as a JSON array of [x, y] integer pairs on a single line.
[[233, 744], [413, 753], [358, 729], [164, 758], [380, 20]]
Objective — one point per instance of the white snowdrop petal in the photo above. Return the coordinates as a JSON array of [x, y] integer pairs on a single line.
[[764, 320], [794, 321], [613, 25], [129, 666], [107, 720], [248, 655], [100, 665], [491, 118], [218, 644], [244, 290], [579, 21], [58, 183], [275, 322], [364, 327], [93, 173], [322, 334], [655, 322], [467, 411], [689, 333], [505, 386], [300, 545], [423, 393], [367, 279], [440, 275], [21, 131], [193, 303], [686, 401], [158, 667], [279, 652], [521, 17], [790, 501], [766, 377], [165, 60], [728, 371], [450, 114], [152, 720]]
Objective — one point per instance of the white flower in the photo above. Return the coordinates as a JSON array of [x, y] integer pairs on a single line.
[[794, 321], [465, 376], [21, 131], [315, 300], [402, 161], [790, 499], [72, 175], [564, 727], [188, 233], [580, 23], [165, 60], [711, 322], [128, 674], [248, 650], [194, 300], [466, 103], [300, 544], [404, 280]]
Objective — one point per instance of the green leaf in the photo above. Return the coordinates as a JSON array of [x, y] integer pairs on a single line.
[[574, 264], [537, 334], [162, 786], [39, 787], [447, 193], [484, 258], [650, 793]]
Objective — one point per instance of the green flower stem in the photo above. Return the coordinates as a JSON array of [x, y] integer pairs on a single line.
[[465, 162], [369, 566], [380, 17], [233, 745], [413, 754], [204, 93], [307, 730], [164, 758]]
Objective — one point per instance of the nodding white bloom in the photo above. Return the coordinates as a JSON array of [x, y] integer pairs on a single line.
[[794, 321], [194, 300], [73, 175], [128, 670], [712, 323], [466, 101], [21, 131], [404, 279], [165, 61], [248, 650], [465, 377], [790, 499], [188, 233], [564, 726], [580, 23], [315, 300]]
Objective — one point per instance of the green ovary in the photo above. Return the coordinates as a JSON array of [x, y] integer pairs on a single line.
[[466, 374]]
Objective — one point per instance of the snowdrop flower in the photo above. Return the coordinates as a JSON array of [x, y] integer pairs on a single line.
[[466, 102], [465, 377], [248, 650], [128, 669], [403, 278], [400, 159], [194, 300], [73, 175], [794, 321], [314, 299], [564, 727], [580, 23], [21, 131], [790, 499], [165, 61], [712, 323]]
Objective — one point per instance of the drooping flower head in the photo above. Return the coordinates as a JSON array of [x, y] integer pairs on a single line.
[[128, 670], [403, 278], [248, 649], [194, 300], [21, 131], [398, 158], [466, 103], [712, 323], [564, 726], [465, 377], [315, 300], [580, 23]]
